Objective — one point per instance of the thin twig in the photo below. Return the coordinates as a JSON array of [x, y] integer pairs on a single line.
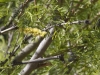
[[10, 36], [9, 29], [20, 9], [16, 47], [17, 13], [62, 24]]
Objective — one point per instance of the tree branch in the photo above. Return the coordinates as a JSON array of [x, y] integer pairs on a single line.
[[39, 52], [17, 13], [9, 29], [39, 60], [27, 49]]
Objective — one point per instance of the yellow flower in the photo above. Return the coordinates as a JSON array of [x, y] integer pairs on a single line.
[[34, 31], [43, 34]]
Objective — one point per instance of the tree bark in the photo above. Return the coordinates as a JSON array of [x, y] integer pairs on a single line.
[[26, 50], [39, 52]]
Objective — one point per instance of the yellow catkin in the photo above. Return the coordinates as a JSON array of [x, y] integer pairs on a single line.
[[43, 34], [34, 31]]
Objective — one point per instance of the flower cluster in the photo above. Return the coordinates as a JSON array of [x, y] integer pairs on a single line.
[[34, 31]]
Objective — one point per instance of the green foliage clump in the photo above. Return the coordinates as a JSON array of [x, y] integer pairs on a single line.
[[76, 35]]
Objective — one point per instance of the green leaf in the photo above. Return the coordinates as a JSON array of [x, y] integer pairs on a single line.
[[5, 0]]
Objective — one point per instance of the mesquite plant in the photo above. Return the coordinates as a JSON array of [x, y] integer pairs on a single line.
[[49, 37]]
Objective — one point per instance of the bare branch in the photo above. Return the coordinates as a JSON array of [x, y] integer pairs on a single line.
[[62, 24], [78, 22], [27, 49], [39, 60], [16, 47], [9, 29], [10, 36]]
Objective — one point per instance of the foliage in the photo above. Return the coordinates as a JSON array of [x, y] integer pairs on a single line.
[[76, 35]]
